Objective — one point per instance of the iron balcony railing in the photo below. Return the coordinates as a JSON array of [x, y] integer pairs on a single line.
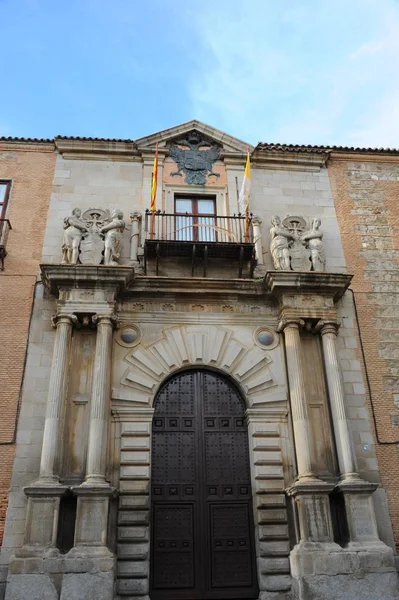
[[5, 227], [177, 227]]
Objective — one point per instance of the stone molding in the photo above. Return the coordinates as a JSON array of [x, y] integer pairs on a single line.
[[193, 346], [333, 285], [294, 161], [57, 277]]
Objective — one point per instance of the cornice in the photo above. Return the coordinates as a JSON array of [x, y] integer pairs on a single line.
[[55, 277], [196, 286], [97, 149], [297, 282], [289, 160], [26, 145]]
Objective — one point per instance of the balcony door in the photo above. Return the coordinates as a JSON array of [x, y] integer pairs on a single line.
[[195, 218], [202, 532]]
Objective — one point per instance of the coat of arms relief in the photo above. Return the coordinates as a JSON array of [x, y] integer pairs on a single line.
[[296, 247], [92, 238], [195, 158]]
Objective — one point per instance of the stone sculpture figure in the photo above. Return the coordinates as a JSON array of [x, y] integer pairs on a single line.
[[313, 240], [74, 228], [113, 238], [279, 245]]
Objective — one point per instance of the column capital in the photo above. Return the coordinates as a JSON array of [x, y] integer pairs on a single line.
[[256, 220], [290, 323], [68, 318], [107, 319], [325, 326], [135, 216]]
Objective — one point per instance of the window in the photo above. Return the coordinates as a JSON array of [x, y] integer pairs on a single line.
[[195, 218], [4, 193]]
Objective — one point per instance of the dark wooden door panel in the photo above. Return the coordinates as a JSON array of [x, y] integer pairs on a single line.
[[173, 547], [202, 530], [231, 546]]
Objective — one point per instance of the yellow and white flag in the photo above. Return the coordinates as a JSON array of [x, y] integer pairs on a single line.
[[243, 199]]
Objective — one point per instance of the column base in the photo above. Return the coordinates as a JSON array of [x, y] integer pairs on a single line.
[[313, 504], [329, 572], [360, 513], [42, 514], [92, 517]]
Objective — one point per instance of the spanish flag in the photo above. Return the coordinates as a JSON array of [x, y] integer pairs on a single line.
[[153, 207], [243, 199]]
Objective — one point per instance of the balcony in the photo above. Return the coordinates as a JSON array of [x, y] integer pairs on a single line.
[[200, 240], [5, 227]]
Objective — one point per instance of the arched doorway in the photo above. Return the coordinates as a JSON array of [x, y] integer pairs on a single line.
[[202, 531]]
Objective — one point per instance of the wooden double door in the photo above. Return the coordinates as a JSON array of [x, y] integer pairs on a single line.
[[202, 529]]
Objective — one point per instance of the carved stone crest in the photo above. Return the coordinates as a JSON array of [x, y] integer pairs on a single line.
[[294, 247], [92, 244], [196, 159], [93, 237], [300, 255]]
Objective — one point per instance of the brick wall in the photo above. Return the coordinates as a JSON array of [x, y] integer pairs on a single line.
[[366, 195], [30, 166]]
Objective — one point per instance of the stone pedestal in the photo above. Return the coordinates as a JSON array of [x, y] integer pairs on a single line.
[[42, 516], [313, 505], [360, 513], [323, 570], [92, 518]]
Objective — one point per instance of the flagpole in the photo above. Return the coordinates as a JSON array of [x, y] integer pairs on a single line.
[[247, 211], [154, 183]]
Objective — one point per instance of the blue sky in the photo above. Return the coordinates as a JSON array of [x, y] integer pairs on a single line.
[[299, 71]]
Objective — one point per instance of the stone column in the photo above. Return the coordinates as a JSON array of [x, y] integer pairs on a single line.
[[95, 492], [49, 464], [135, 218], [310, 493], [44, 496], [300, 420], [256, 223], [346, 460], [96, 449], [357, 492]]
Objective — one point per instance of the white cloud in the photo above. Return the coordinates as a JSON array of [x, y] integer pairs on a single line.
[[312, 74]]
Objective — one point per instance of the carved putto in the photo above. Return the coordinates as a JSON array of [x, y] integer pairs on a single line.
[[195, 160], [92, 238], [295, 247]]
